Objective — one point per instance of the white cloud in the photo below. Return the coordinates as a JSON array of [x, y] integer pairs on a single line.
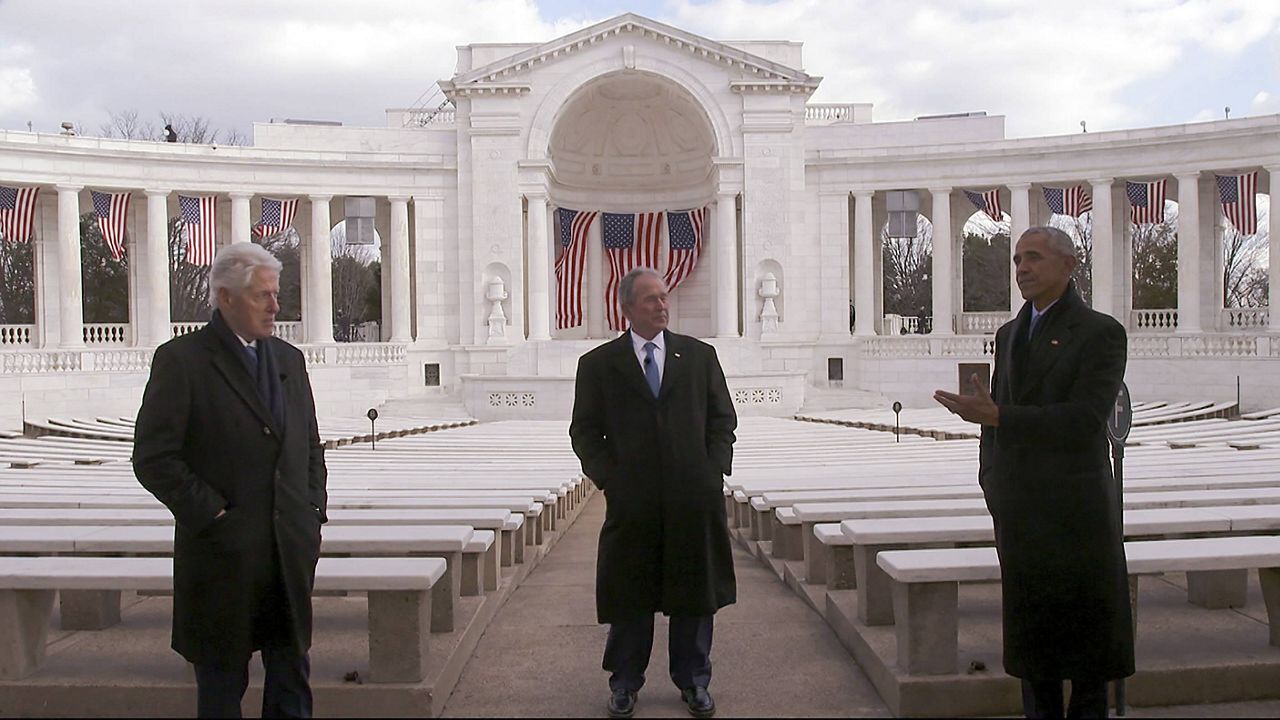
[[1264, 103], [17, 89]]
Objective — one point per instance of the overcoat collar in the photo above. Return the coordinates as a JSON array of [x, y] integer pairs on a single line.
[[674, 369], [221, 343], [1052, 339]]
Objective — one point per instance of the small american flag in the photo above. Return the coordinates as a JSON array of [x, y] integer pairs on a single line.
[[112, 213], [630, 241], [988, 202], [199, 218], [684, 244], [277, 216], [1073, 201], [1239, 200], [574, 226], [17, 211], [1146, 201]]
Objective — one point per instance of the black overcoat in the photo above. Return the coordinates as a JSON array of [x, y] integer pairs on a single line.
[[205, 440], [1046, 475], [665, 545]]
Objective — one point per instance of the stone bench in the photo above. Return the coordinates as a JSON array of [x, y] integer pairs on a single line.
[[481, 564], [399, 589], [100, 609], [926, 587]]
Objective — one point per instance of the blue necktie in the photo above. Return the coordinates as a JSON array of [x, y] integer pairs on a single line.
[[651, 369], [253, 361], [1035, 320]]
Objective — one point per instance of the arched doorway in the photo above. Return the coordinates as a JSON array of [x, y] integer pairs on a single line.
[[630, 143]]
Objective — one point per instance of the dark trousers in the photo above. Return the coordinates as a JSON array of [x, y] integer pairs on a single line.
[[626, 652], [1043, 699], [285, 694]]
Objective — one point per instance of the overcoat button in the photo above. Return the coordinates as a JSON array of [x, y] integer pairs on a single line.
[[266, 430]]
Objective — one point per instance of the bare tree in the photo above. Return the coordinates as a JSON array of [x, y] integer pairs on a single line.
[[195, 129], [1081, 231], [188, 284], [17, 283], [1155, 262], [1245, 275], [127, 125], [907, 264], [355, 280]]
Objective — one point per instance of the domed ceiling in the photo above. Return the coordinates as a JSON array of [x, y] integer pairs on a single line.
[[632, 131]]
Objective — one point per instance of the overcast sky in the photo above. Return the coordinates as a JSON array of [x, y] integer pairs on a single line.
[[1045, 66]]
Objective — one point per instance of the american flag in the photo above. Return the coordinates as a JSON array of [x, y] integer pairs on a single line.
[[1073, 201], [277, 216], [1239, 200], [199, 218], [630, 240], [112, 213], [17, 211], [684, 244], [988, 202], [1146, 201], [574, 226]]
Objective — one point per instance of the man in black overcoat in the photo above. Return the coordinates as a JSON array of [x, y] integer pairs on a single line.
[[1046, 474], [653, 427], [227, 439]]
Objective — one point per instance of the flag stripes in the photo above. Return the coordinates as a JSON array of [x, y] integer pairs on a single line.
[[1239, 195], [199, 222], [574, 227], [684, 245], [277, 216], [1146, 201], [988, 201], [630, 241], [1072, 201], [17, 212], [111, 210]]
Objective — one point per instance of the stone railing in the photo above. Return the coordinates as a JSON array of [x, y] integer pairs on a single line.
[[290, 331], [70, 361], [106, 334], [422, 117], [1163, 320], [354, 353], [1169, 345], [1235, 319], [16, 335], [822, 114], [982, 323], [900, 325]]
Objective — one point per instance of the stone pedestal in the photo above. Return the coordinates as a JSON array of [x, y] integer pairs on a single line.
[[89, 609], [24, 625], [927, 626], [398, 635]]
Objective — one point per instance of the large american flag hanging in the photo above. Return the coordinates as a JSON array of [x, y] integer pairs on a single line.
[[277, 216], [1239, 200], [574, 226], [684, 244], [1146, 201], [199, 218], [111, 210], [630, 240], [17, 211], [1072, 201], [988, 202]]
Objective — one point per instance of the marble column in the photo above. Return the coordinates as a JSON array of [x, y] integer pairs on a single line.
[[943, 247], [1273, 317], [1019, 221], [864, 279], [71, 301], [539, 310], [833, 272], [240, 225], [401, 302], [317, 315], [156, 273], [1104, 258], [1189, 253], [726, 265]]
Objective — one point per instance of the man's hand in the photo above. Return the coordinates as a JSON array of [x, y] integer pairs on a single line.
[[976, 408]]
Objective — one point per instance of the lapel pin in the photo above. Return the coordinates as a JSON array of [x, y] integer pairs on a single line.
[[1053, 342], [677, 354]]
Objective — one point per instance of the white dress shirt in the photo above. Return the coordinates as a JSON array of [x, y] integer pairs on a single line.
[[659, 352]]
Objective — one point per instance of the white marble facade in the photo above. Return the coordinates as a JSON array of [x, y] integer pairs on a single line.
[[631, 115]]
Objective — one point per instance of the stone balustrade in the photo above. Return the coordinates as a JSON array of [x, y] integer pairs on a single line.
[[1156, 320], [982, 323], [16, 335], [1250, 318], [98, 334]]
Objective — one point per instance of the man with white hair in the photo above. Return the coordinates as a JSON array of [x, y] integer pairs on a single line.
[[227, 439]]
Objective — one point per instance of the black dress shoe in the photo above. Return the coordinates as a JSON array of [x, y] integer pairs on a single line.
[[699, 701], [622, 704]]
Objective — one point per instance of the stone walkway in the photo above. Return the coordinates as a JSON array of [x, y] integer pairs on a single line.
[[773, 656]]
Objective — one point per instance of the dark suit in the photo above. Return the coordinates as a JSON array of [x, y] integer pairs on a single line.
[[660, 461], [1046, 475], [206, 440]]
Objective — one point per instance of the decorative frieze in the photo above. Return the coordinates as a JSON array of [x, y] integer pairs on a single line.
[[512, 399], [757, 396]]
